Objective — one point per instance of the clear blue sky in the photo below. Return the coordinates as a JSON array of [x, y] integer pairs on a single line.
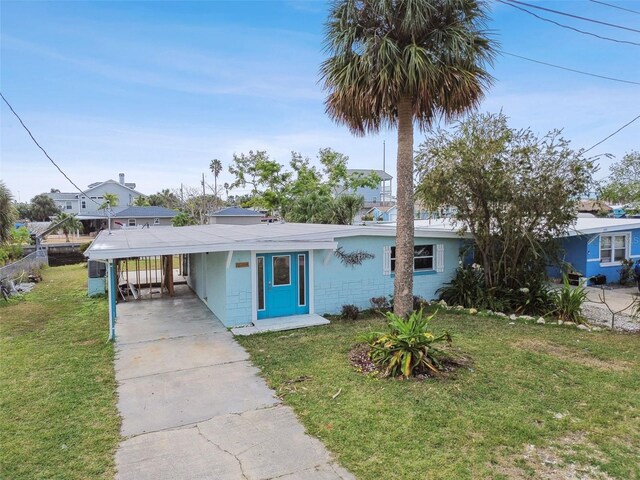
[[158, 89]]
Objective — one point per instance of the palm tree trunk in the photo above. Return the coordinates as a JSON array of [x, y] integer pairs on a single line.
[[403, 284]]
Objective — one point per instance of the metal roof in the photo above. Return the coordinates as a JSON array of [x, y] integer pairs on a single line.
[[236, 212], [587, 226], [223, 238], [146, 212]]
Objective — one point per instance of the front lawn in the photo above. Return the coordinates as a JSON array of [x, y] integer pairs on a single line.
[[539, 401], [58, 417]]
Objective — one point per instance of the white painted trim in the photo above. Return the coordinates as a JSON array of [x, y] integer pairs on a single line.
[[265, 247], [327, 257], [386, 260], [312, 296], [304, 278], [440, 258], [593, 259], [229, 255], [627, 246], [254, 286], [110, 294], [611, 264]]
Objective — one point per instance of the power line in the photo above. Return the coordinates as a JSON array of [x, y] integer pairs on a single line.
[[44, 151], [608, 137], [566, 26], [572, 70], [616, 6], [575, 16]]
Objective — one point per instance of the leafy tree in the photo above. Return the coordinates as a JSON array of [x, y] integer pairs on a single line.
[[141, 201], [165, 198], [7, 212], [43, 208], [183, 219], [71, 224], [623, 185], [109, 200], [288, 192], [516, 193], [54, 190], [23, 210], [399, 62]]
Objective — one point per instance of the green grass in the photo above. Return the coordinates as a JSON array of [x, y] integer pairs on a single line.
[[58, 417], [478, 424]]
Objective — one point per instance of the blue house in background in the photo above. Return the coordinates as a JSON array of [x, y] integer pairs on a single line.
[[597, 246], [379, 195], [617, 211], [384, 214]]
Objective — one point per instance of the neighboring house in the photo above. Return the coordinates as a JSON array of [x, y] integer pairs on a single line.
[[595, 207], [384, 214], [380, 195], [86, 206], [597, 246], [236, 216], [132, 217], [617, 211], [249, 273], [421, 212]]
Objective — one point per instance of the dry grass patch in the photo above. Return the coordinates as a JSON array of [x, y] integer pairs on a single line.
[[562, 352], [554, 462]]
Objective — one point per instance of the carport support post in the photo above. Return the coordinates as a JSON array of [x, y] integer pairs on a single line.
[[111, 278]]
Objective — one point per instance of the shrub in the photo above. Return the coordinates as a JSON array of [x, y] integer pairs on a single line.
[[419, 303], [626, 272], [83, 246], [381, 303], [350, 312], [407, 347], [568, 301], [468, 289]]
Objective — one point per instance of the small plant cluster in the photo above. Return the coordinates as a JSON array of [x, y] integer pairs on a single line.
[[407, 347], [350, 312], [626, 272], [468, 288], [567, 302], [385, 304], [351, 259]]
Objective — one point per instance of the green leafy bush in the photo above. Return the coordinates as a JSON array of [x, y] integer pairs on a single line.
[[350, 312], [468, 288], [83, 246], [407, 347], [626, 272], [568, 301], [381, 303]]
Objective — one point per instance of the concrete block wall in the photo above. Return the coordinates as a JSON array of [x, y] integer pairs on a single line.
[[337, 284]]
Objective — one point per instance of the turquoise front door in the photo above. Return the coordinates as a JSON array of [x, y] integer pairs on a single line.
[[283, 280]]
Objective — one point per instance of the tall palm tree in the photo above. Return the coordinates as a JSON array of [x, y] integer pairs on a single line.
[[109, 200], [7, 212], [216, 168], [71, 224], [393, 63], [141, 201]]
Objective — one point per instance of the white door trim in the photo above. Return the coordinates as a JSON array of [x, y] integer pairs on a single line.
[[254, 287]]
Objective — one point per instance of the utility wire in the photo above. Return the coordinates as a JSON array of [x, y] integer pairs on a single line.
[[575, 16], [44, 151], [616, 6], [566, 26], [608, 137], [572, 70]]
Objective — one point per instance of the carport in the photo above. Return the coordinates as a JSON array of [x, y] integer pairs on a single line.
[[217, 256]]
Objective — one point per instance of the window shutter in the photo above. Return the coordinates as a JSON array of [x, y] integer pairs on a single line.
[[386, 261], [440, 258]]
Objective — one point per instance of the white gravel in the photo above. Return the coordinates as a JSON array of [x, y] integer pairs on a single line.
[[599, 315]]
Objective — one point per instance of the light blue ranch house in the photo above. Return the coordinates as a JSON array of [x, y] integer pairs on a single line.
[[597, 246], [267, 273]]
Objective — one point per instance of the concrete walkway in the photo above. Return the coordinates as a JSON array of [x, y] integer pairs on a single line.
[[193, 406]]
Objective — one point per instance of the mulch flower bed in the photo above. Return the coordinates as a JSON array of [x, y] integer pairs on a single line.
[[362, 363]]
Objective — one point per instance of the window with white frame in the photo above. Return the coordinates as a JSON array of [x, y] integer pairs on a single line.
[[156, 221], [422, 258], [613, 248], [84, 204], [68, 205], [131, 222]]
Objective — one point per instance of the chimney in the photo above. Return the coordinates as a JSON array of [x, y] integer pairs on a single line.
[[122, 179]]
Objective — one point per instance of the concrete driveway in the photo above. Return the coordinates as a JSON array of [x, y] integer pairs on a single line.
[[193, 406]]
